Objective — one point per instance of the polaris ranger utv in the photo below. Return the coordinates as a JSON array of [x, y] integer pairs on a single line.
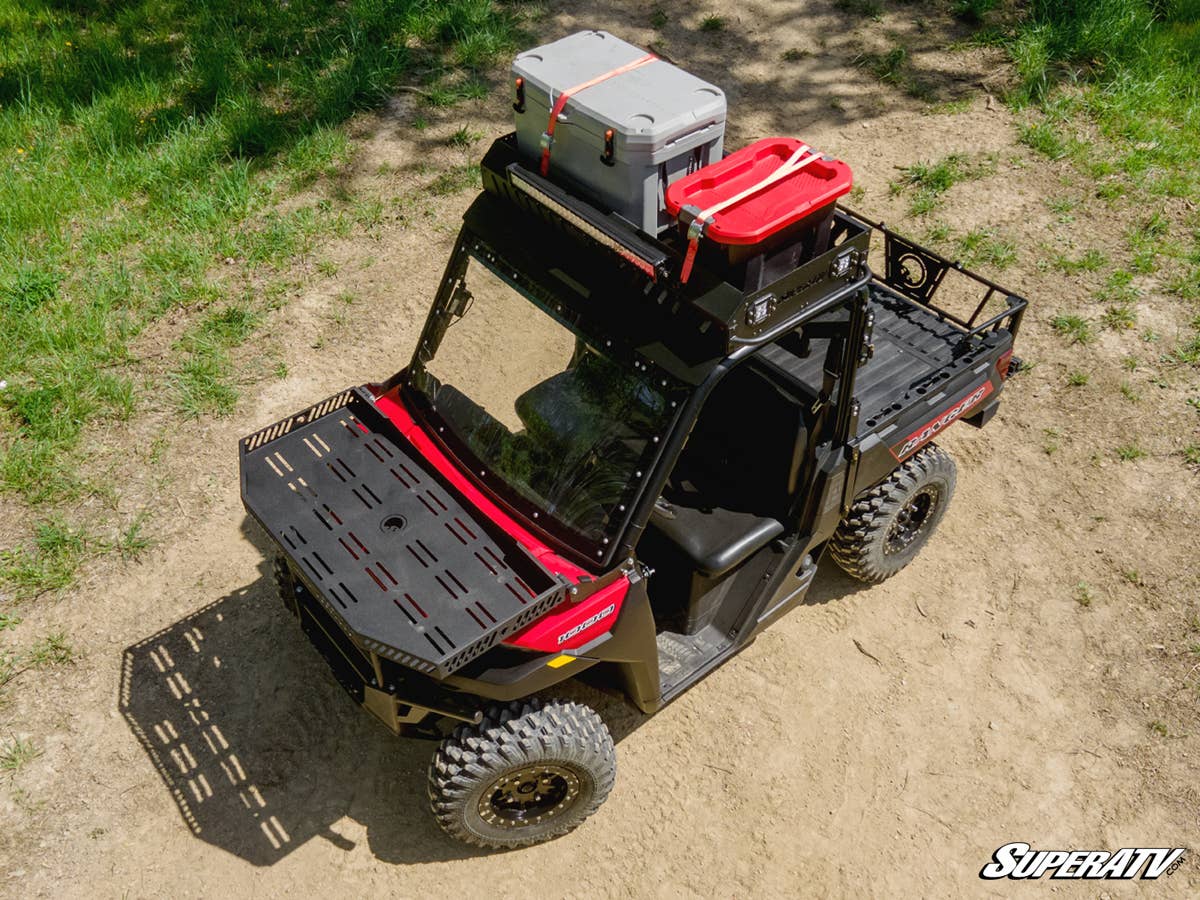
[[620, 450]]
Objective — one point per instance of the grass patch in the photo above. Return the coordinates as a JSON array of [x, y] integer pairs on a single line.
[[132, 542], [1119, 317], [1131, 68], [52, 650], [1076, 329], [973, 11], [141, 143], [986, 247], [464, 138], [893, 68], [456, 180], [1130, 452], [1083, 594], [1044, 138], [49, 563], [871, 9], [928, 182], [204, 383], [713, 24], [1091, 261], [16, 753], [1078, 379]]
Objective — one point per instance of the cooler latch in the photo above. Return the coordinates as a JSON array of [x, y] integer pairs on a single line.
[[519, 105], [607, 156]]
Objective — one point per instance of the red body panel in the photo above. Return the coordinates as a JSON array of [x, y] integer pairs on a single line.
[[572, 625], [927, 432], [564, 619]]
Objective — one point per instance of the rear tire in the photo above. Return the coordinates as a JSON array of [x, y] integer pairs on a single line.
[[889, 525], [529, 772]]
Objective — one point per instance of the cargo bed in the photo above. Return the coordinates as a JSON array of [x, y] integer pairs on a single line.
[[914, 351], [916, 344]]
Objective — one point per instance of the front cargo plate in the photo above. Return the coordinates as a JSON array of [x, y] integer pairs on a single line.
[[384, 542]]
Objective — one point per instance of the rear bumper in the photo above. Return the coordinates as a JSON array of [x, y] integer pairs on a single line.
[[405, 701]]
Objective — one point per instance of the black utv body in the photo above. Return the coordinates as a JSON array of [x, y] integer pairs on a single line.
[[591, 465]]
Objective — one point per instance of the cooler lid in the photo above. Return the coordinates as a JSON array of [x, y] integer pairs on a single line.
[[761, 213], [650, 105]]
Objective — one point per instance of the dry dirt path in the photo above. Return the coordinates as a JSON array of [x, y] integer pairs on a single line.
[[996, 708]]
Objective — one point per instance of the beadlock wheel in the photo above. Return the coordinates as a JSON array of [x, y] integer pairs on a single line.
[[529, 772], [889, 525]]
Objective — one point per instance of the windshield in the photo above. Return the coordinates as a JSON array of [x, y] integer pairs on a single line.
[[568, 430]]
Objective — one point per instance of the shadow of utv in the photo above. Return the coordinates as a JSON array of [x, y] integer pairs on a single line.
[[262, 750], [258, 745]]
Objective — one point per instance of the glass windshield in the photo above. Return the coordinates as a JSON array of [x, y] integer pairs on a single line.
[[569, 430]]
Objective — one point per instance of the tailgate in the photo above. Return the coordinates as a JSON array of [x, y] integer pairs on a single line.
[[410, 571]]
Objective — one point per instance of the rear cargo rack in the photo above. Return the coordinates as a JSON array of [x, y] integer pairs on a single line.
[[917, 273], [384, 543]]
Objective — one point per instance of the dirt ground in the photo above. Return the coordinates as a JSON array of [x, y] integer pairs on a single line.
[[996, 708]]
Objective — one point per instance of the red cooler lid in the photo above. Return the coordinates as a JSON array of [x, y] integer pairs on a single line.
[[761, 213]]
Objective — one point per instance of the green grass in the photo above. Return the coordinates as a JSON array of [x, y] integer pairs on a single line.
[[894, 68], [1076, 329], [52, 650], [456, 180], [143, 143], [1078, 379], [888, 67], [464, 138], [986, 247], [1130, 452], [872, 9], [1130, 66], [50, 561], [1083, 594], [713, 23], [1119, 317], [1044, 138], [132, 542], [973, 11], [1091, 261], [16, 753], [927, 182]]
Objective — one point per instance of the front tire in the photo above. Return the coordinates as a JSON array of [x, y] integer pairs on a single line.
[[529, 772], [889, 525]]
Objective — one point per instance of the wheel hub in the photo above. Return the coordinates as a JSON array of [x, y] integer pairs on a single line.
[[529, 795], [912, 520]]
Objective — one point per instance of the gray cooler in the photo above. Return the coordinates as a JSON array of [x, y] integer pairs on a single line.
[[665, 123]]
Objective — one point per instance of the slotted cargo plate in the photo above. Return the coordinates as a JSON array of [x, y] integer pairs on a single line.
[[383, 542]]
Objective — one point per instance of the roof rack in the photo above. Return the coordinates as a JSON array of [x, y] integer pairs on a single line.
[[748, 301]]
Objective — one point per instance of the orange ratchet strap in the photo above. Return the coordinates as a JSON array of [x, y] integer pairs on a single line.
[[548, 136]]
